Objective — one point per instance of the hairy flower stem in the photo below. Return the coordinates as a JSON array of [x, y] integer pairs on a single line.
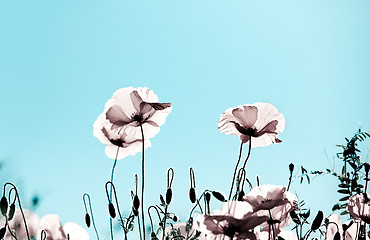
[[110, 193], [249, 152], [236, 168], [142, 181]]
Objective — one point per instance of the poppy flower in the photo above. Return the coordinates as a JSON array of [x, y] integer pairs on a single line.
[[267, 197], [359, 207], [119, 144], [129, 108], [235, 220], [272, 201], [54, 231], [260, 122], [334, 225]]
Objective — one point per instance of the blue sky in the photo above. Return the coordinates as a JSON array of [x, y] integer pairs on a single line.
[[60, 61]]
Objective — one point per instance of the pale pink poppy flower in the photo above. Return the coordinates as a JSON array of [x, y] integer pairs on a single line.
[[236, 220], [259, 121], [182, 228], [272, 201], [359, 207], [17, 225], [334, 226], [54, 231], [353, 231], [115, 139], [129, 107]]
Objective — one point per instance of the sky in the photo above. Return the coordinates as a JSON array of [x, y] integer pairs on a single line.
[[60, 61]]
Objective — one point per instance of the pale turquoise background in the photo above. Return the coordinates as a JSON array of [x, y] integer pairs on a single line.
[[60, 61]]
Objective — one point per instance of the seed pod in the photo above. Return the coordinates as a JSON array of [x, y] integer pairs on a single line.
[[317, 221], [207, 196], [168, 196], [4, 206], [112, 210], [87, 220], [2, 232], [241, 195], [336, 236], [192, 195], [291, 167], [11, 211], [218, 196], [367, 167], [136, 202]]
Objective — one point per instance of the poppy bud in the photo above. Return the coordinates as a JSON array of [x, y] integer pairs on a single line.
[[174, 218], [241, 195], [4, 206], [317, 221], [218, 196], [11, 211], [168, 196], [207, 196], [2, 232], [153, 236], [112, 211], [291, 167], [87, 220], [192, 195], [136, 202], [336, 236]]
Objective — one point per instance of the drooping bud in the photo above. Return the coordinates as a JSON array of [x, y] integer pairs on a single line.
[[291, 167], [168, 196], [2, 232], [136, 202], [367, 167], [112, 210], [192, 195], [4, 206], [218, 196], [174, 218], [336, 236], [317, 221], [207, 196], [11, 211], [87, 220]]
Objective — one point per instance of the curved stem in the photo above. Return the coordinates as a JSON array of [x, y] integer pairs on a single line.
[[91, 212], [20, 207], [236, 168], [143, 179]]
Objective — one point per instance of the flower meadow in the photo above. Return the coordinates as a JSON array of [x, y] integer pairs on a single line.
[[132, 116]]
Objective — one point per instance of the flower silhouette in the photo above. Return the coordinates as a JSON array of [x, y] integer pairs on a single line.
[[359, 207], [130, 108], [260, 122], [119, 144]]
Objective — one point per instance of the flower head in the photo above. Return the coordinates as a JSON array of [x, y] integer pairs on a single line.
[[54, 231], [119, 144], [359, 207], [235, 219], [130, 108], [260, 122]]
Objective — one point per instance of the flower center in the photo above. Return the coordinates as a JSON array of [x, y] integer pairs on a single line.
[[138, 118], [250, 132], [117, 142], [230, 231]]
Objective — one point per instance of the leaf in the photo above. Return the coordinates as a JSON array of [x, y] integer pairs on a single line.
[[344, 213], [344, 198], [343, 185], [308, 179], [344, 191], [317, 221], [163, 203]]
